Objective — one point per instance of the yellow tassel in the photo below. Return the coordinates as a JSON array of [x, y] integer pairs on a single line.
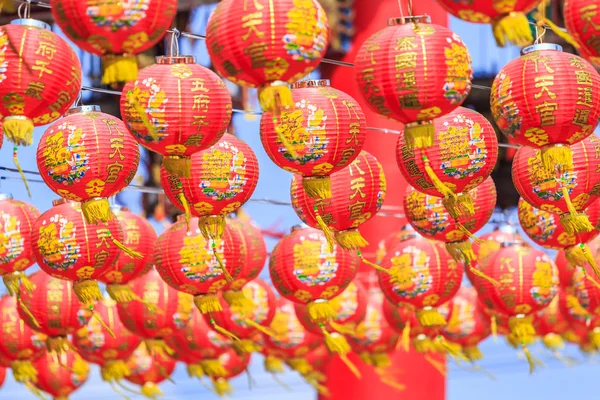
[[376, 267], [18, 129], [350, 239], [180, 166], [557, 158], [461, 251], [130, 252], [423, 344], [102, 323], [460, 206], [483, 275], [274, 365], [320, 311], [553, 341], [25, 282], [279, 130], [494, 327], [472, 353], [96, 210], [452, 349], [239, 302], [114, 370], [224, 270], [380, 360], [212, 226], [213, 368], [35, 391], [58, 344], [444, 190], [119, 68], [223, 331], [186, 208], [337, 344], [322, 390], [419, 135], [275, 97], [326, 230], [24, 371], [208, 303], [575, 256], [366, 358], [512, 28], [592, 280], [158, 347], [8, 7], [594, 337], [24, 308], [87, 291], [246, 346], [405, 337], [300, 365], [120, 293], [18, 165], [317, 187], [557, 31], [151, 391], [195, 370], [342, 329], [222, 386], [11, 282], [429, 316], [521, 328], [263, 329], [392, 383], [590, 259], [574, 222], [468, 233], [529, 358]]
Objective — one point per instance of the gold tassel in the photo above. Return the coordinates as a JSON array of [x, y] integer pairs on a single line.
[[130, 252], [275, 97], [468, 233], [119, 68], [11, 282], [282, 139], [494, 328], [300, 365], [246, 346], [405, 337], [152, 132], [350, 239], [239, 302], [96, 210], [419, 135], [213, 368], [120, 293], [375, 266], [195, 370], [114, 370], [18, 165], [529, 358], [222, 386], [320, 311], [472, 353], [24, 371], [461, 251], [223, 331], [27, 312], [18, 129], [179, 166], [322, 390], [34, 390], [158, 347], [342, 329], [186, 208], [512, 28], [521, 328], [594, 337], [208, 303], [429, 316], [115, 389], [326, 230], [101, 322], [460, 206], [25, 282], [263, 329], [380, 360], [423, 344], [226, 273], [574, 222], [592, 280], [452, 349], [590, 259], [557, 156], [212, 226], [553, 341], [452, 204], [87, 291], [151, 391], [366, 358], [483, 275], [317, 187], [274, 365], [337, 344], [58, 344]]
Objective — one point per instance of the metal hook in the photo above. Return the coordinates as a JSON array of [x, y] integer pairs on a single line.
[[174, 50], [78, 101], [539, 36]]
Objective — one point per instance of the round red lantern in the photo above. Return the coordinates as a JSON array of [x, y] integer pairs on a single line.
[[176, 108], [464, 157], [508, 18], [394, 73], [20, 345], [582, 23], [52, 309], [234, 364], [566, 192], [59, 375], [223, 177], [67, 247], [116, 31], [148, 370], [323, 134], [305, 270], [16, 249], [88, 156], [566, 265], [587, 289], [526, 103], [406, 232], [190, 263], [550, 323], [423, 274], [40, 80], [281, 42]]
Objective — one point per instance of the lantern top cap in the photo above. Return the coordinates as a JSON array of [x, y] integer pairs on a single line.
[[509, 243], [296, 228], [6, 196], [82, 109], [58, 202], [175, 60], [311, 83], [31, 22], [541, 46], [415, 19]]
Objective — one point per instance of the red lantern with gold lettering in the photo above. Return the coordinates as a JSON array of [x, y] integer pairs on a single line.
[[357, 194], [550, 323], [148, 370], [16, 249], [223, 178], [52, 308], [393, 71], [526, 103], [324, 133], [88, 156], [421, 273], [267, 45], [406, 232], [59, 375], [581, 20], [566, 192], [176, 108], [40, 78], [586, 289], [116, 31], [234, 364]]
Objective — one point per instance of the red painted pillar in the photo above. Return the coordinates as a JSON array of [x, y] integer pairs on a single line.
[[421, 378]]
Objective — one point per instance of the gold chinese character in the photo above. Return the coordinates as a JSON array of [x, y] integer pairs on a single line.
[[101, 258], [584, 78], [42, 67], [113, 170], [537, 59], [581, 117], [198, 85], [357, 185], [256, 51], [251, 21], [577, 62], [35, 89], [112, 126], [409, 100], [406, 60], [368, 75], [351, 107], [257, 5], [407, 81], [585, 96], [355, 164], [546, 111], [356, 210], [103, 234], [405, 43], [542, 82], [117, 145], [346, 156], [371, 48], [379, 103], [46, 49], [199, 121], [354, 131], [194, 140], [586, 13], [201, 102], [132, 237]]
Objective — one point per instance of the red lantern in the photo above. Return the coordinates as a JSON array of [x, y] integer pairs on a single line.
[[41, 78], [587, 289], [97, 346], [115, 31], [508, 19], [281, 42], [19, 344], [582, 23], [67, 247], [423, 274], [463, 158], [166, 100], [566, 266], [148, 370], [88, 156], [16, 250], [550, 324], [323, 134], [491, 242], [234, 364], [567, 192], [525, 103], [406, 232], [305, 270], [223, 178], [52, 309], [394, 70], [59, 375], [190, 263]]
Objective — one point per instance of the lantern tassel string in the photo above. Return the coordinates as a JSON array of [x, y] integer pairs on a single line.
[[150, 128], [375, 266], [263, 329], [437, 364], [18, 166], [494, 328], [224, 331], [226, 273], [477, 272], [406, 337], [130, 252], [27, 285], [186, 208], [26, 311], [392, 383], [339, 345], [281, 383], [326, 230], [163, 372], [451, 202], [115, 389], [101, 322], [34, 390], [529, 358], [401, 8], [590, 260], [342, 329], [128, 389], [540, 17]]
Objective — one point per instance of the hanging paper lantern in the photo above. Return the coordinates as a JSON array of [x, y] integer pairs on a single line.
[[281, 42], [428, 216], [52, 308], [223, 178], [97, 346], [525, 103], [16, 248], [406, 232], [176, 108], [116, 31], [551, 324], [59, 375], [423, 274], [394, 72], [508, 18], [305, 270], [567, 192], [40, 80], [582, 23], [88, 156], [192, 264], [587, 289], [357, 194], [566, 266], [67, 247], [148, 370], [20, 345], [323, 134], [162, 311], [234, 364], [464, 157]]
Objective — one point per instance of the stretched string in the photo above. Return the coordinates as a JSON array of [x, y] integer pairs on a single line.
[[401, 8]]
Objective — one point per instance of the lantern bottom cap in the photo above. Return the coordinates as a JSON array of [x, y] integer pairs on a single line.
[[58, 344], [119, 68], [18, 129], [158, 347], [212, 226], [320, 312]]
